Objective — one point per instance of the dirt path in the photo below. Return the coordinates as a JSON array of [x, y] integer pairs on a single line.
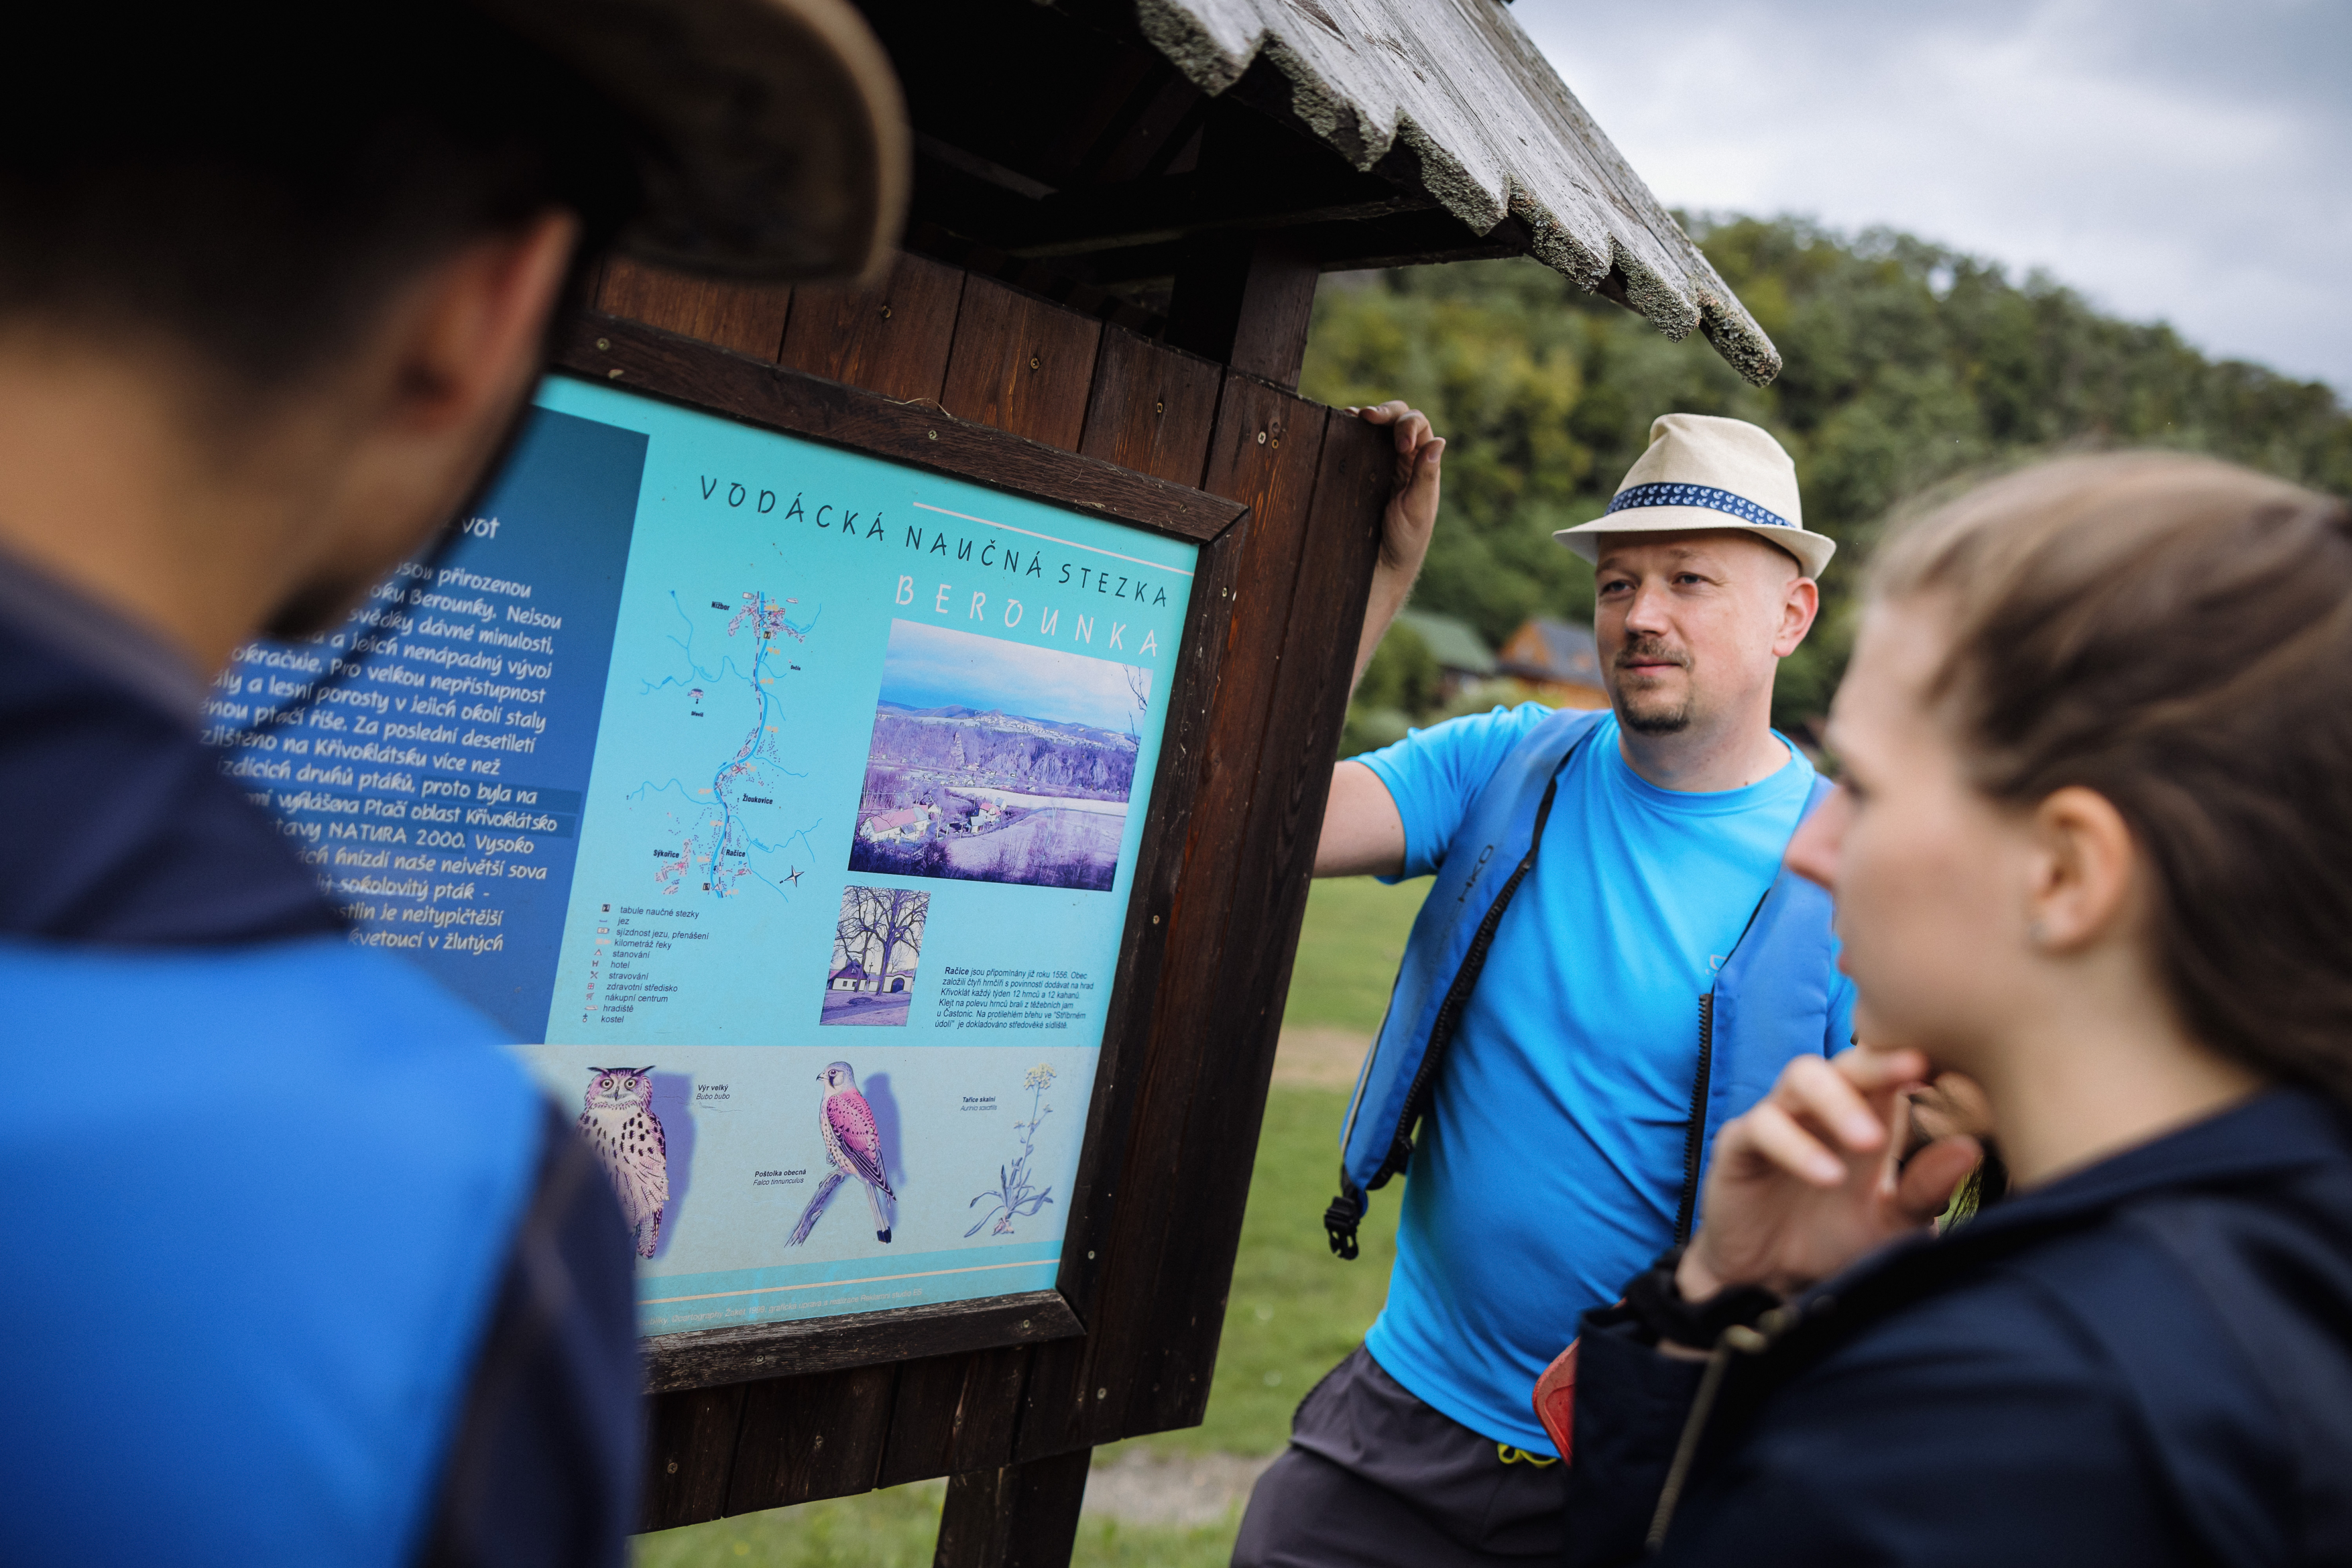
[[1179, 1490], [1319, 1058]]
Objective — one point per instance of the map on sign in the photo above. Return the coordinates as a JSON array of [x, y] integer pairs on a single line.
[[724, 845], [779, 801]]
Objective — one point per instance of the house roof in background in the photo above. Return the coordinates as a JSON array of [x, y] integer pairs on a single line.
[[1492, 134], [1452, 643], [1545, 649]]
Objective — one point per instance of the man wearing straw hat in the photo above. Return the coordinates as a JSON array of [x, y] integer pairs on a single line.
[[1610, 965], [306, 1272]]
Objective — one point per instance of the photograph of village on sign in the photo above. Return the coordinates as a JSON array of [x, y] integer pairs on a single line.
[[995, 761], [877, 942]]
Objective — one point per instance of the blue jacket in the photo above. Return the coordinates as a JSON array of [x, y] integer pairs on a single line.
[[2149, 1362], [306, 1271], [1771, 1000]]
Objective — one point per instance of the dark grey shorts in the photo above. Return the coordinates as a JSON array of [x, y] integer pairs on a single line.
[[1375, 1479]]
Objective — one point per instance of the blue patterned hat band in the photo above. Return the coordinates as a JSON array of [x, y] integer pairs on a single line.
[[1705, 496], [1698, 464]]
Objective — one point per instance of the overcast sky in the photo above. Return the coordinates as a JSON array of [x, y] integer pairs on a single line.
[[937, 666], [2172, 160]]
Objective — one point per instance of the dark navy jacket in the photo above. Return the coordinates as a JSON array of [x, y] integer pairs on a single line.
[[2145, 1363], [305, 1272]]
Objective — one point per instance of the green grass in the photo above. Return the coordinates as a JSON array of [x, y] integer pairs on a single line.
[[1348, 952], [899, 1529], [893, 1528], [1293, 1311]]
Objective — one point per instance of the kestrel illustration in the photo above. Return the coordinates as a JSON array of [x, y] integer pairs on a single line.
[[854, 1143]]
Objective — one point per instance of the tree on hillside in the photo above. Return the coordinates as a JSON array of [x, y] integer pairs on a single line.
[[1908, 365]]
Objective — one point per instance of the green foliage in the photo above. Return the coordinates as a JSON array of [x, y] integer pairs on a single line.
[[1404, 673], [1399, 683], [1907, 365]]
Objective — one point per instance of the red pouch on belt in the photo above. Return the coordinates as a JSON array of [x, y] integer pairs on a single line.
[[1555, 1399]]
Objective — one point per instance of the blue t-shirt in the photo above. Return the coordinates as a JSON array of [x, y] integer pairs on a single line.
[[1549, 1169]]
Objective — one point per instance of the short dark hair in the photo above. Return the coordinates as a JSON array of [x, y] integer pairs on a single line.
[[253, 180], [2176, 635]]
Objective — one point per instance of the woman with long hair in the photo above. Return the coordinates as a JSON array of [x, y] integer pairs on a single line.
[[2092, 850]]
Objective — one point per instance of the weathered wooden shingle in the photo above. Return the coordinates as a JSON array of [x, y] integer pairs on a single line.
[[1496, 132]]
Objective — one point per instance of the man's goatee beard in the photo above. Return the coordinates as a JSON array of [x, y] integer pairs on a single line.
[[1655, 721]]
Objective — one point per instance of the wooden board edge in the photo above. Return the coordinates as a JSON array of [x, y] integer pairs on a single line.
[[704, 1358], [615, 352], [1134, 1008]]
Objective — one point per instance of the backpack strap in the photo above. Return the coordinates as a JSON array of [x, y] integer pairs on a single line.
[[1504, 826]]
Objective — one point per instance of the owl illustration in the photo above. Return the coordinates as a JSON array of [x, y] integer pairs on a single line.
[[618, 1121], [854, 1143]]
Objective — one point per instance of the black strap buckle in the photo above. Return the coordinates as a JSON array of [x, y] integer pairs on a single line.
[[1340, 1222]]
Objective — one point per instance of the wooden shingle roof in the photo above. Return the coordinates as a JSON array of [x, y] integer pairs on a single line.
[[1493, 132], [1186, 169]]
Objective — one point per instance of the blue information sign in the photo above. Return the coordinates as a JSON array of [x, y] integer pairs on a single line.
[[782, 804]]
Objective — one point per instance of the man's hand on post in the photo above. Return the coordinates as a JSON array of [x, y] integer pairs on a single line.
[[1405, 527], [1362, 833]]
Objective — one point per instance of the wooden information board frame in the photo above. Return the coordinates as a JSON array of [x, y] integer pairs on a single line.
[[709, 380], [959, 372]]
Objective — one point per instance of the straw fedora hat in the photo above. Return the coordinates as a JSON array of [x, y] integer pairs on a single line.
[[1701, 472], [773, 139]]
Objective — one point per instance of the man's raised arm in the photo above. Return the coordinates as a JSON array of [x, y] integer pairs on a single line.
[[1362, 833]]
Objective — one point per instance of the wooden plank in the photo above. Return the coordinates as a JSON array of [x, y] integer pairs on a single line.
[[1021, 364], [891, 336], [1090, 1235], [689, 1454], [807, 1437], [1152, 408], [924, 1407], [954, 1413], [1021, 1516], [1277, 303], [1264, 452], [1245, 299], [1267, 449], [606, 348], [741, 317], [704, 1357], [1226, 1105]]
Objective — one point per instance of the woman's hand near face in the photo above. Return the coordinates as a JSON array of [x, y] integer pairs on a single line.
[[1808, 1180]]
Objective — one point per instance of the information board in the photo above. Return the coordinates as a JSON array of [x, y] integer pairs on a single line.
[[781, 803]]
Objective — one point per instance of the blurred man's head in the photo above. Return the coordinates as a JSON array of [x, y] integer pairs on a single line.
[[287, 269]]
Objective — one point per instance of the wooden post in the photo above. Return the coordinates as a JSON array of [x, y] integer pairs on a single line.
[[1245, 299], [1017, 1516]]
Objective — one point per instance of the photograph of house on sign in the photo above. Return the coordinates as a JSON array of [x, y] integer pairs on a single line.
[[996, 762], [876, 943]]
